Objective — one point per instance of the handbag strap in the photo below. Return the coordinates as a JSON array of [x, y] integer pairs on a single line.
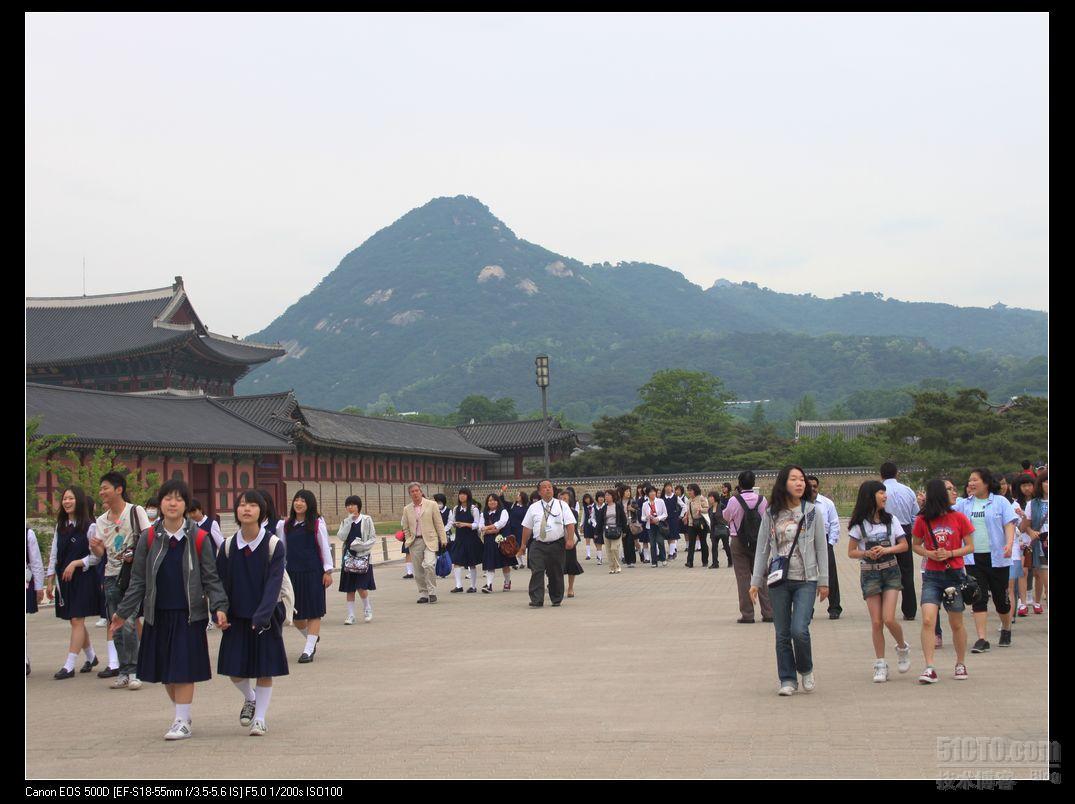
[[932, 535], [798, 530]]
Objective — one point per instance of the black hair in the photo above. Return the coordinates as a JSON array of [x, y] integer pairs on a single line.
[[534, 497], [746, 480], [496, 497], [889, 470], [587, 496], [354, 499], [866, 504], [270, 507], [649, 487], [116, 480], [598, 493], [572, 500], [936, 504], [987, 478], [680, 490], [522, 498], [1025, 464], [665, 485], [174, 486], [470, 497], [1043, 477], [814, 478], [695, 488], [714, 494], [726, 487], [311, 515], [1017, 487], [80, 516], [195, 505], [780, 498], [440, 498], [258, 499]]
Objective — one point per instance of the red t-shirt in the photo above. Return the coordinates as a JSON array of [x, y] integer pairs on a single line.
[[951, 531]]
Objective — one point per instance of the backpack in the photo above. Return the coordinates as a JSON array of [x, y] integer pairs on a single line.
[[198, 542], [287, 591], [751, 524]]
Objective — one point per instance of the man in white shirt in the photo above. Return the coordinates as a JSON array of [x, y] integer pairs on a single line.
[[832, 531], [549, 528], [903, 505]]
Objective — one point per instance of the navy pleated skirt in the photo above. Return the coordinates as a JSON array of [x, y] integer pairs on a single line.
[[245, 653], [31, 599], [81, 595], [173, 651], [309, 594], [492, 558], [467, 549], [353, 581]]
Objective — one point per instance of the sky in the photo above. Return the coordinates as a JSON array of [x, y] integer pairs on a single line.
[[905, 154]]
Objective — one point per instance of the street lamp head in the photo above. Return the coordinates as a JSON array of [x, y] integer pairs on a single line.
[[542, 364]]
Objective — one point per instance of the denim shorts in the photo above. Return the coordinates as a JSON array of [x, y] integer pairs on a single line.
[[934, 583], [874, 582], [1017, 570]]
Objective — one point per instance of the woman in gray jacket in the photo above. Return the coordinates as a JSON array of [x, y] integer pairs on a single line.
[[359, 536], [792, 529]]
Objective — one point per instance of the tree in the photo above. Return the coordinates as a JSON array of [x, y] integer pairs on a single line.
[[831, 450], [38, 449], [88, 476], [481, 409]]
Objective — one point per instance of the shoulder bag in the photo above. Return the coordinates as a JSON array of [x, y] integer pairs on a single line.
[[778, 566]]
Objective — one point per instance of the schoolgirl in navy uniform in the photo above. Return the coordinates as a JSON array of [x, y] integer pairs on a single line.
[[599, 507], [171, 578], [495, 522], [587, 523], [572, 567], [467, 550], [78, 594], [309, 565], [357, 532], [252, 565], [35, 581], [643, 537], [672, 505]]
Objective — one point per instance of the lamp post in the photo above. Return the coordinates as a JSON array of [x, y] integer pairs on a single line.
[[542, 363]]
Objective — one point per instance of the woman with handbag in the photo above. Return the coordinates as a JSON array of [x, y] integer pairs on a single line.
[[792, 559], [942, 536], [495, 533], [572, 567], [696, 523], [875, 537], [611, 524], [251, 565], [356, 568]]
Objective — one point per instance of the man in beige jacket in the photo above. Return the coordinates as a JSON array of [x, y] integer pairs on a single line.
[[424, 530]]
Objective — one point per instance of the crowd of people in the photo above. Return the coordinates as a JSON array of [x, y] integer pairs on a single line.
[[163, 576]]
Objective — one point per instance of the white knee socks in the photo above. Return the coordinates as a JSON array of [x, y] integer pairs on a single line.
[[182, 711], [489, 575], [588, 551], [367, 605], [113, 657], [311, 641], [350, 608], [243, 685], [262, 697], [458, 572], [69, 665], [90, 655], [473, 577], [410, 568]]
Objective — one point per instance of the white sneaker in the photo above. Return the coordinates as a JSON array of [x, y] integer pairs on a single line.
[[880, 671], [599, 561], [808, 682], [180, 730], [350, 620], [903, 658], [368, 615], [120, 683], [210, 627], [258, 728], [664, 563], [101, 622], [786, 689], [134, 684]]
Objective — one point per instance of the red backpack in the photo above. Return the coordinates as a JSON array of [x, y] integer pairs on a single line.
[[198, 542]]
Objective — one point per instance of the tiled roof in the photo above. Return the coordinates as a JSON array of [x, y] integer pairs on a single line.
[[273, 412], [348, 430], [112, 420], [849, 428], [79, 329], [524, 434]]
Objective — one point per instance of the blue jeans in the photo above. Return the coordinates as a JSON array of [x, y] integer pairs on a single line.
[[793, 608]]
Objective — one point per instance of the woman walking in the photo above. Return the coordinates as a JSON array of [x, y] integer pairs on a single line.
[[77, 594], [495, 528], [571, 561], [792, 559], [467, 550], [670, 498], [1022, 488], [1035, 524], [516, 513], [875, 537], [612, 525], [696, 523], [655, 518], [356, 568], [309, 566], [587, 522]]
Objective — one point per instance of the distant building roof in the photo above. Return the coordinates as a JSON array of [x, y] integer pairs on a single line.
[[132, 421], [274, 412], [848, 428], [84, 329], [525, 434]]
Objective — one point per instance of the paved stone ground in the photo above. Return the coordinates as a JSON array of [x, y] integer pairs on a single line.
[[643, 675]]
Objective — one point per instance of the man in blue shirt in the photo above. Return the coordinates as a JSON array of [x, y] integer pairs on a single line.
[[903, 505]]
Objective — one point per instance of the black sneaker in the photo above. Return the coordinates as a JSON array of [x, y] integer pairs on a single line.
[[408, 575], [457, 589], [981, 646], [487, 589], [834, 615], [557, 603], [63, 673], [432, 598], [422, 599], [306, 658], [535, 605], [246, 714], [108, 672], [766, 619], [88, 666], [471, 589], [1005, 639]]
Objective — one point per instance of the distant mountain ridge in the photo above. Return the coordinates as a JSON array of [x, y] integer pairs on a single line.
[[448, 301]]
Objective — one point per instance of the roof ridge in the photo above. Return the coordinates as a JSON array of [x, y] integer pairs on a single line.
[[246, 420], [127, 297], [123, 394], [243, 341], [378, 418], [256, 396]]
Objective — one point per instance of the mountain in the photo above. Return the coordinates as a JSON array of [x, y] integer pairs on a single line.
[[448, 301]]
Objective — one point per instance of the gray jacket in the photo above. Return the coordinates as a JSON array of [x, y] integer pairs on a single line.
[[813, 546], [144, 584]]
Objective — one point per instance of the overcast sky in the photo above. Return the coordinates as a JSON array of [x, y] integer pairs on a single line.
[[901, 153]]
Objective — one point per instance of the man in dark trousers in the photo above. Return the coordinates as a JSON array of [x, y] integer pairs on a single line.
[[903, 505], [549, 529], [832, 532]]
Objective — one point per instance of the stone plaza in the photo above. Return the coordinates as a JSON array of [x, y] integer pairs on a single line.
[[642, 675]]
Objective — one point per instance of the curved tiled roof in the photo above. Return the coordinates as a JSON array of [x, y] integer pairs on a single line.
[[514, 435], [270, 411], [849, 428], [118, 421]]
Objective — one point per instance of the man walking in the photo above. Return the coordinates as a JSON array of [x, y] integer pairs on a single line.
[[424, 530], [549, 528], [903, 505], [743, 515], [118, 529], [832, 532]]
